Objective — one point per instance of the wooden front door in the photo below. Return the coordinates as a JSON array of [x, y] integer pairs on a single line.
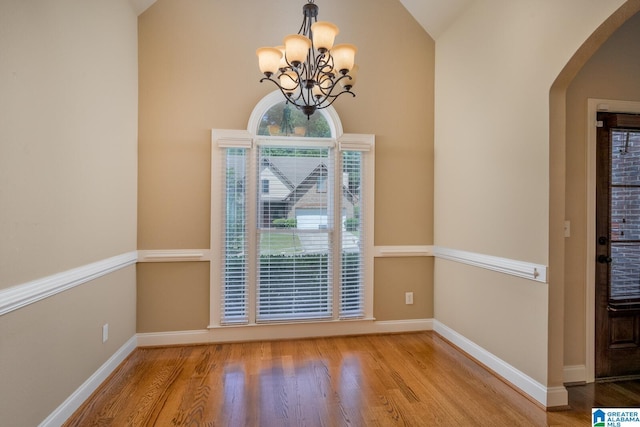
[[618, 246]]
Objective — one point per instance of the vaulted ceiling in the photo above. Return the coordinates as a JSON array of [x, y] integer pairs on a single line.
[[434, 15], [141, 5]]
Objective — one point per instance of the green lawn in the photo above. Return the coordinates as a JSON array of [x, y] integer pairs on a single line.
[[279, 243]]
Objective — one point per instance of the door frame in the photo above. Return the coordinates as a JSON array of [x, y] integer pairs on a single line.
[[593, 107]]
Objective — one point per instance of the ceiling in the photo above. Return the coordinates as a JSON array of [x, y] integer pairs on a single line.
[[435, 16], [141, 5]]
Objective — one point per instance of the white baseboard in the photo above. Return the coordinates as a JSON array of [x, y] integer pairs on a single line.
[[575, 374], [557, 397], [73, 402], [547, 396], [283, 331]]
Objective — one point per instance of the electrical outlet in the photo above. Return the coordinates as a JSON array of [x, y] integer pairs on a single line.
[[105, 332], [408, 298]]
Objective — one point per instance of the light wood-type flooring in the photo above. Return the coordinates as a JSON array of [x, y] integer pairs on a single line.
[[415, 379]]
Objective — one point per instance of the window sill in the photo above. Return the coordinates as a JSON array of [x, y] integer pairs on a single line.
[[292, 330]]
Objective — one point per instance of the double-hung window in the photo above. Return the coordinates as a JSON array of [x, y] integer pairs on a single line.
[[291, 224]]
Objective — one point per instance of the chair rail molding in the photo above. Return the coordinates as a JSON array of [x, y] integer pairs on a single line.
[[174, 255], [526, 270], [19, 296], [402, 251]]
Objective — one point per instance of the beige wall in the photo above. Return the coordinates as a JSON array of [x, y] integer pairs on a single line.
[[68, 135], [179, 291], [496, 293], [611, 73], [198, 71], [51, 348], [494, 70], [68, 161], [394, 277]]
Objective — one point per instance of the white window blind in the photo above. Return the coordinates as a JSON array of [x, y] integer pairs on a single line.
[[352, 247], [295, 234], [234, 270]]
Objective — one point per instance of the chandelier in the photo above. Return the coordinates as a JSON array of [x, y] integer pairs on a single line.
[[309, 70]]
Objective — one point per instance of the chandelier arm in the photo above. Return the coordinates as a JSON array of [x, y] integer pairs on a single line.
[[305, 72], [315, 64], [303, 26], [322, 61], [289, 98], [309, 15], [308, 99], [334, 84], [333, 99]]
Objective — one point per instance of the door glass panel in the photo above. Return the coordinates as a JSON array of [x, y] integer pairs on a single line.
[[625, 154], [625, 215], [625, 271]]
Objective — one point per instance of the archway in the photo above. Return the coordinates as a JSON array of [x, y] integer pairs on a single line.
[[558, 194]]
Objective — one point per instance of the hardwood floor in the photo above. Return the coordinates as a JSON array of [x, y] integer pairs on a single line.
[[415, 379]]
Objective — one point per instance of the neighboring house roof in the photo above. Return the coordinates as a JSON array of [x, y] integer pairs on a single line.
[[299, 174], [294, 171]]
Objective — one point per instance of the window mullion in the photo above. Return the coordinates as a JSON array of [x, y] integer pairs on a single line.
[[252, 231], [337, 233]]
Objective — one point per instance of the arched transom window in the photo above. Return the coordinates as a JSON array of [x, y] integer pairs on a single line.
[[283, 119]]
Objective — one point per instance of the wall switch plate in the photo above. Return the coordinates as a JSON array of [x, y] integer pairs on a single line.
[[408, 298], [105, 332], [567, 229]]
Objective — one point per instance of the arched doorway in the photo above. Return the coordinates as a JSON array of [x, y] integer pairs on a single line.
[[572, 249]]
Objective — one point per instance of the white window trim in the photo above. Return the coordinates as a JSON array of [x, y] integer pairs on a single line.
[[231, 138]]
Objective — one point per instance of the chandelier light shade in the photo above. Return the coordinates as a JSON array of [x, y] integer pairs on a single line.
[[310, 71], [269, 59], [324, 34]]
